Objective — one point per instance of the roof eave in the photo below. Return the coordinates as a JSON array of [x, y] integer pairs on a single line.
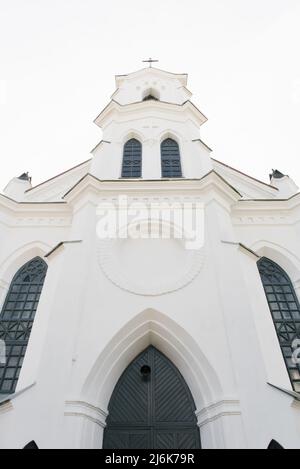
[[114, 105], [58, 175], [245, 175]]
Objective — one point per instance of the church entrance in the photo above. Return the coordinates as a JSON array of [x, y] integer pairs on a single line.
[[151, 407]]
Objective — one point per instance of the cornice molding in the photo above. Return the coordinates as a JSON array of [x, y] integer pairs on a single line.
[[212, 181], [270, 204], [19, 214], [13, 205], [87, 411], [145, 107], [224, 408]]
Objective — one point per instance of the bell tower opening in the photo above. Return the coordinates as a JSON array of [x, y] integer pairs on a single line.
[[151, 95]]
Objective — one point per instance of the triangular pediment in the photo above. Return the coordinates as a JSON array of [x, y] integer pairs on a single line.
[[154, 71]]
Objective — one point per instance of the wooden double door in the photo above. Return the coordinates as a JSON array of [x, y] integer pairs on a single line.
[[151, 407]]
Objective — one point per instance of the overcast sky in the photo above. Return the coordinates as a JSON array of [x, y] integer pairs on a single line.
[[58, 59]]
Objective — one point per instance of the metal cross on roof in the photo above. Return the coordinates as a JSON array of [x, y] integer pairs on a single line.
[[150, 61]]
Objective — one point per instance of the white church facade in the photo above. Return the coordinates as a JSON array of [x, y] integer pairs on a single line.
[[163, 341]]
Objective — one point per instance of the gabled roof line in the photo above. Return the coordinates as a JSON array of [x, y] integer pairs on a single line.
[[123, 75], [203, 143], [98, 145], [226, 182], [126, 180], [58, 175], [182, 77], [246, 175], [9, 198]]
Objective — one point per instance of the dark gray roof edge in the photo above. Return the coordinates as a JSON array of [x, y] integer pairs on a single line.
[[244, 174], [294, 394], [98, 145], [243, 246], [203, 143], [13, 396], [62, 243], [59, 175]]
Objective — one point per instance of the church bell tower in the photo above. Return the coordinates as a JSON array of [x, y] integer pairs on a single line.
[[151, 106]]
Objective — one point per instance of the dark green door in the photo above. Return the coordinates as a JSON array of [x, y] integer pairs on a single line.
[[151, 407]]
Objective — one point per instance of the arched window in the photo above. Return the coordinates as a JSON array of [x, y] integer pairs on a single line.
[[132, 159], [285, 310], [170, 159], [16, 320], [151, 95]]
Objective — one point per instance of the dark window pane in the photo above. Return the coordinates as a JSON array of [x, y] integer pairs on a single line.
[[17, 317], [132, 159], [170, 159], [285, 310]]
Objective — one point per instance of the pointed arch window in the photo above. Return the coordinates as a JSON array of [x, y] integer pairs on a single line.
[[285, 310], [16, 320], [151, 95], [170, 159], [132, 159]]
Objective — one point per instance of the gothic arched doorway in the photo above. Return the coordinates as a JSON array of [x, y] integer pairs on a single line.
[[151, 407]]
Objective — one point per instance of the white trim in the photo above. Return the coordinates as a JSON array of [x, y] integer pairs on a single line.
[[6, 407], [4, 289], [146, 108], [4, 284], [87, 411], [224, 408]]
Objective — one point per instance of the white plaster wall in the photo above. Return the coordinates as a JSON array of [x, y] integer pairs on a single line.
[[216, 328], [134, 87], [150, 131], [88, 330]]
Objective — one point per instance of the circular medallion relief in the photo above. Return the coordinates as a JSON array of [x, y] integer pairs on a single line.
[[149, 266]]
